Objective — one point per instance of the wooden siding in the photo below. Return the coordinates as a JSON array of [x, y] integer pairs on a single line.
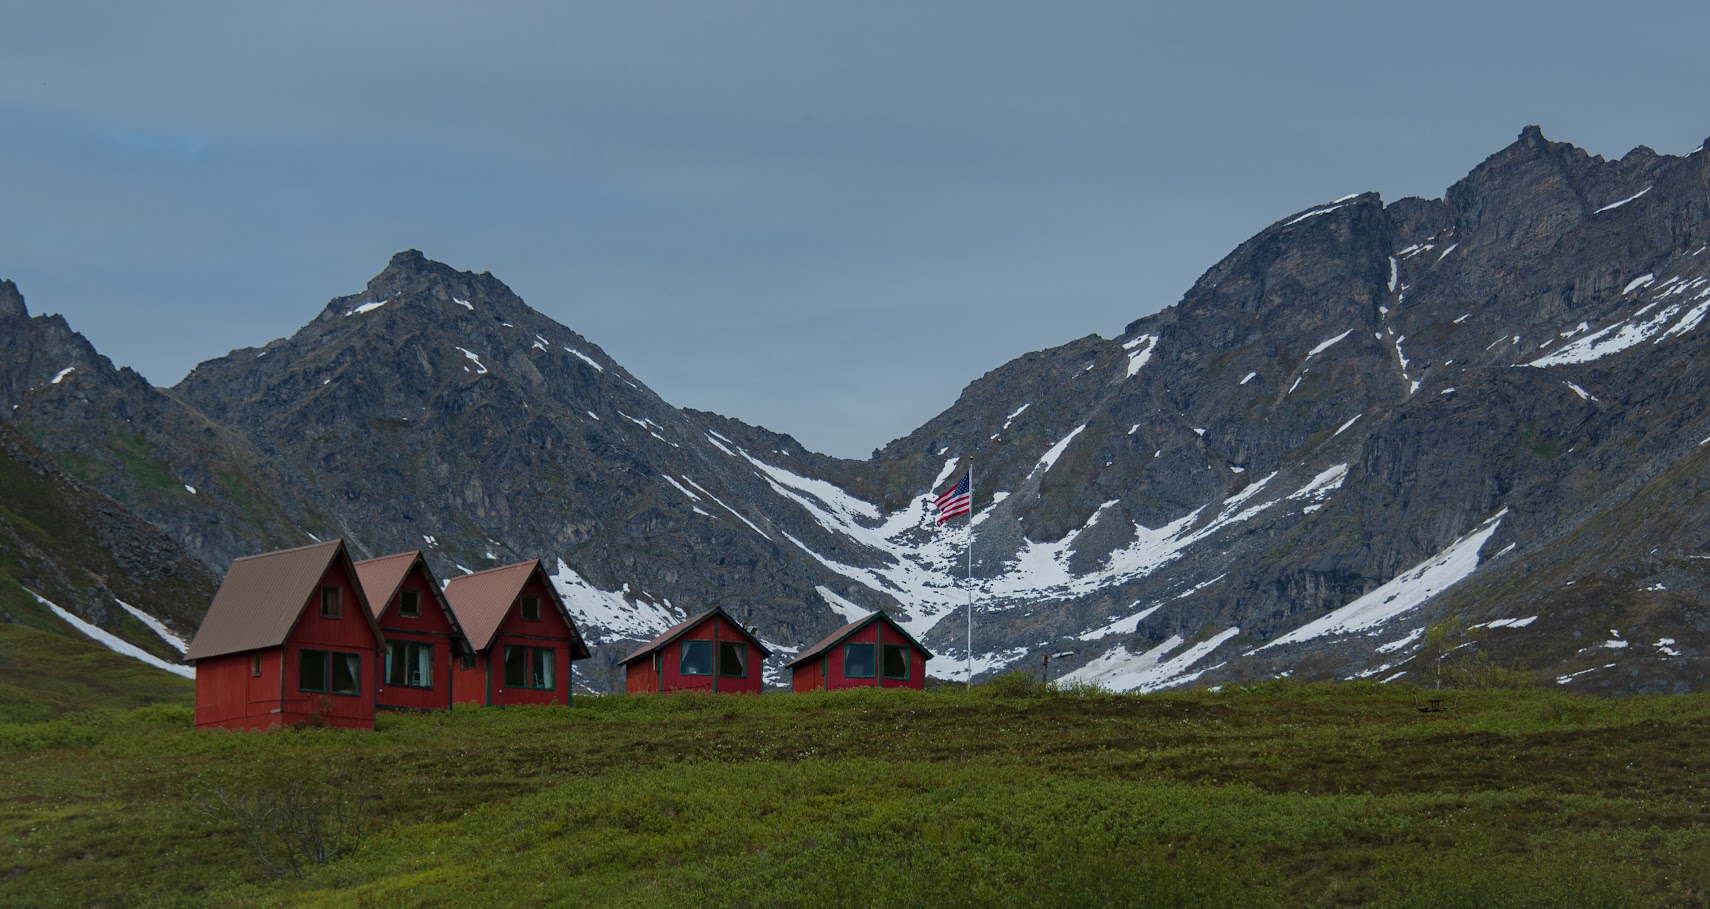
[[432, 627], [349, 633], [830, 666], [640, 677], [809, 676], [230, 696], [485, 684], [714, 628]]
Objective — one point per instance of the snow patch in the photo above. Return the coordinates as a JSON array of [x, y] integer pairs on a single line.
[[584, 358], [463, 303], [475, 359], [172, 640], [849, 611], [1614, 205], [611, 613], [1643, 280], [1312, 214], [1329, 344], [1138, 357], [1121, 670], [115, 643], [1405, 592], [366, 308], [60, 376], [1056, 451], [1249, 377]]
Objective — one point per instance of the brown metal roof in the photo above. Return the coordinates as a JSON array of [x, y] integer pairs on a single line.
[[262, 597], [381, 578], [831, 640], [481, 600], [674, 631]]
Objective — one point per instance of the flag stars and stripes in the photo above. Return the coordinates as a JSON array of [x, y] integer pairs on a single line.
[[958, 499]]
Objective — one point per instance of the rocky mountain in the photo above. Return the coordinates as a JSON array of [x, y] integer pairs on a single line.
[[1369, 417], [435, 409], [199, 480]]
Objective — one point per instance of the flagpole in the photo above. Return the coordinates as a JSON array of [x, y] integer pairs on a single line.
[[970, 573]]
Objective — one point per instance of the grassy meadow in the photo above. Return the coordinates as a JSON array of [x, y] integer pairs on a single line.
[[1004, 795]]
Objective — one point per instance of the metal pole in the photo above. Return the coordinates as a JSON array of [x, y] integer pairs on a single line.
[[970, 574]]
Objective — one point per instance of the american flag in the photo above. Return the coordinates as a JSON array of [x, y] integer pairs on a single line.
[[958, 499]]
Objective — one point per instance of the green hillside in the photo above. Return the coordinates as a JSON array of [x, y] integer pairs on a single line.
[[1281, 795], [84, 552]]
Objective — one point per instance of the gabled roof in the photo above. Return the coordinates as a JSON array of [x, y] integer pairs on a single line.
[[681, 628], [833, 639], [263, 596], [481, 600], [381, 578]]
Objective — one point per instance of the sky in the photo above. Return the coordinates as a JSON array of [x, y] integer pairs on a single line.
[[822, 218]]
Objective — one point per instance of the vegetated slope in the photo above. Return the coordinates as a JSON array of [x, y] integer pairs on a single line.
[[169, 463], [64, 546], [1275, 795]]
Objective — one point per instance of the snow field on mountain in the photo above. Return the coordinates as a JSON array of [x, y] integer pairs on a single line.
[[611, 612], [1139, 352], [115, 643], [1049, 459], [155, 625], [1403, 593], [1120, 670], [1643, 325]]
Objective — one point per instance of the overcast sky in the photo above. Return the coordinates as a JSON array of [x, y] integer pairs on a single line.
[[825, 218]]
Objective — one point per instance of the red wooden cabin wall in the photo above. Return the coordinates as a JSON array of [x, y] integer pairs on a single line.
[[431, 627]]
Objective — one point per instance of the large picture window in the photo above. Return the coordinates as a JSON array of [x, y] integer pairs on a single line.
[[732, 659], [896, 661], [329, 672], [695, 658], [529, 667], [409, 664], [857, 661]]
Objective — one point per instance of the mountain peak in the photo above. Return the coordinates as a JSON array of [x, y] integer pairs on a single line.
[[11, 301]]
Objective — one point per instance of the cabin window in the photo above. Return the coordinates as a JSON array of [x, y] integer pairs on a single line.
[[896, 661], [732, 659], [409, 664], [529, 667], [410, 604], [658, 661], [255, 664], [695, 658], [857, 661], [329, 603], [469, 660], [329, 672], [530, 609]]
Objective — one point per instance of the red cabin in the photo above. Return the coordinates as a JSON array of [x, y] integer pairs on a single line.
[[873, 652], [423, 639], [521, 637], [288, 639], [682, 659]]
